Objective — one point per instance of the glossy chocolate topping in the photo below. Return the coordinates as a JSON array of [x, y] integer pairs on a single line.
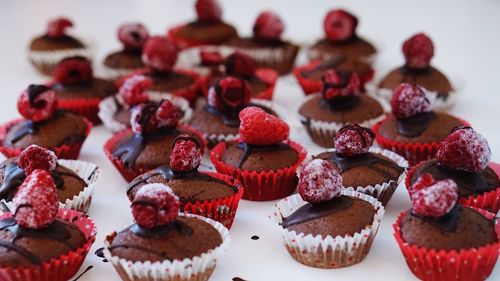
[[414, 126], [33, 92], [447, 223]]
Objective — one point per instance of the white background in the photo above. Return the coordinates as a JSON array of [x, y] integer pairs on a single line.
[[467, 39]]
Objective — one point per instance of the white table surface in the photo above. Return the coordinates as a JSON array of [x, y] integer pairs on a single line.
[[466, 36]]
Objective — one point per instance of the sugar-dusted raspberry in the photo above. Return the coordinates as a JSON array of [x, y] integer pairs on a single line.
[[155, 205], [37, 103], [434, 200], [338, 84], [258, 127], [208, 10], [159, 53], [340, 25], [35, 157], [35, 202], [352, 140], [240, 64], [464, 149], [418, 51], [268, 26], [229, 94], [167, 114], [319, 181], [73, 70], [133, 35], [210, 58], [133, 90], [56, 27], [143, 118], [186, 154], [409, 100]]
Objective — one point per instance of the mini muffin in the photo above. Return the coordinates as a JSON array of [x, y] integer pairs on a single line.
[[60, 131], [341, 101], [418, 52], [47, 50], [264, 160], [38, 241], [207, 29], [413, 130], [442, 240], [464, 156], [133, 36], [334, 228], [163, 244], [341, 39]]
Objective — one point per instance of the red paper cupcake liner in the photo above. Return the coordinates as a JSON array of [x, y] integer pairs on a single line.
[[264, 185], [181, 42], [130, 174], [472, 264], [88, 108], [310, 86], [65, 151], [63, 267], [489, 201]]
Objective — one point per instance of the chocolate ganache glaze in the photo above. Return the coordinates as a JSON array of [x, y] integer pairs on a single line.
[[414, 126], [446, 223]]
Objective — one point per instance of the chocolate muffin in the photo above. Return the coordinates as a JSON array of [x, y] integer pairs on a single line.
[[96, 88], [170, 82]]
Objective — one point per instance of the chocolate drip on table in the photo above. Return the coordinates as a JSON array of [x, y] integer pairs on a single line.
[[310, 212], [333, 62], [446, 223], [100, 253], [249, 149], [414, 126]]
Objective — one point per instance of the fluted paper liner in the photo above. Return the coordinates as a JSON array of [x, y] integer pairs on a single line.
[[46, 61]]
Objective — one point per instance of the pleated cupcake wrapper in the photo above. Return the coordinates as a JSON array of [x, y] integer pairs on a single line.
[[182, 43], [63, 267], [47, 60], [189, 93], [197, 268], [108, 109], [263, 185], [88, 108], [489, 201], [130, 174], [115, 73], [327, 252], [65, 151], [473, 264]]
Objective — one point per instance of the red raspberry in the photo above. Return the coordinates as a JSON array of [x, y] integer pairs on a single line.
[[186, 154], [210, 58], [73, 70], [37, 103], [268, 26], [422, 182], [464, 149], [35, 157], [340, 84], [260, 128], [208, 10], [155, 205], [143, 118], [56, 27], [159, 53], [133, 90], [418, 51], [240, 64], [229, 94], [35, 202], [319, 181], [409, 100], [435, 200], [167, 114], [352, 140], [340, 25], [133, 35]]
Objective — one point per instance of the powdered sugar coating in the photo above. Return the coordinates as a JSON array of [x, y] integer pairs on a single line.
[[418, 51], [160, 53], [269, 26], [409, 100], [319, 181], [258, 127], [352, 140], [339, 25], [148, 117], [41, 108], [36, 157], [155, 205], [168, 114], [435, 200], [133, 35], [186, 154], [133, 90]]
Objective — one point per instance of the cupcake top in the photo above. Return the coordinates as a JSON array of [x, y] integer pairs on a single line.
[[33, 234], [55, 37], [133, 36]]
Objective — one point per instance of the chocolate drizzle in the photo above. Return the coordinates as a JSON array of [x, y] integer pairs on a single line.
[[414, 126], [446, 223], [249, 149], [27, 128], [33, 92]]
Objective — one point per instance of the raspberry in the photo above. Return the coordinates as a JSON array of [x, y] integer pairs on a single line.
[[37, 103], [269, 26], [436, 199], [56, 27], [260, 128], [464, 149], [155, 205], [319, 181], [210, 58], [167, 114], [418, 51], [208, 10], [422, 182], [240, 64], [340, 25], [186, 154], [159, 53], [73, 70], [340, 84], [143, 119], [352, 140], [35, 202], [409, 100], [35, 157], [133, 90], [229, 94], [133, 35]]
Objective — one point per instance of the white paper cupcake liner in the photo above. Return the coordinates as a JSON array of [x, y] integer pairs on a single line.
[[313, 54], [327, 252], [115, 73], [198, 268]]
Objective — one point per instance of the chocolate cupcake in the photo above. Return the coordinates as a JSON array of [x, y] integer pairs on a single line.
[[340, 102], [55, 45], [60, 131], [322, 231], [341, 39], [163, 244], [129, 59]]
